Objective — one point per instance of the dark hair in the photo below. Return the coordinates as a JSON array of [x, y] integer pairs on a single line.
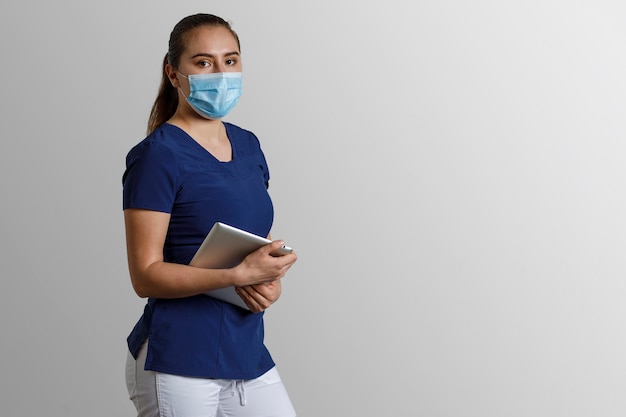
[[166, 102]]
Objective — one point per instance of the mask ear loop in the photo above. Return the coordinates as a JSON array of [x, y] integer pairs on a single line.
[[181, 90]]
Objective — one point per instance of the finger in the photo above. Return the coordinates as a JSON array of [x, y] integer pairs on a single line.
[[274, 248], [270, 291], [255, 301]]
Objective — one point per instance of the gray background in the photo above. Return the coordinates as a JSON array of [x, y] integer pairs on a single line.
[[451, 174]]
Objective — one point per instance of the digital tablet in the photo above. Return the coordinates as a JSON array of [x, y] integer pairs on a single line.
[[226, 246]]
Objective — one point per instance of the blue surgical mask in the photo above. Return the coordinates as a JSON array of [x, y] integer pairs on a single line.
[[214, 95]]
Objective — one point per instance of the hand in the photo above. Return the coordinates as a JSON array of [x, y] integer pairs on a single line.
[[259, 297], [261, 266]]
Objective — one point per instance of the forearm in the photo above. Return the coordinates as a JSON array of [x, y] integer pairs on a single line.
[[170, 280]]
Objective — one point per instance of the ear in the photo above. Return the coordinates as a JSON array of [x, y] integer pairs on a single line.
[[172, 75]]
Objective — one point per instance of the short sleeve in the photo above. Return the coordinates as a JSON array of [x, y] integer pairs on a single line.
[[151, 177], [256, 145], [265, 169]]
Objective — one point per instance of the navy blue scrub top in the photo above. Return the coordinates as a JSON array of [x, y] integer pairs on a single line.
[[170, 172]]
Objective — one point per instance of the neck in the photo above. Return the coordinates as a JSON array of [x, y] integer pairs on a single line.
[[210, 134], [211, 130]]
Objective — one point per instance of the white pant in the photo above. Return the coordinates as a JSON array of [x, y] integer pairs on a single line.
[[156, 394]]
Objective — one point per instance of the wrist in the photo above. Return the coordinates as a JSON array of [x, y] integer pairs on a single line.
[[235, 276]]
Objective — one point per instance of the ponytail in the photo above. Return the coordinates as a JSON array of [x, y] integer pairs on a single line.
[[166, 102]]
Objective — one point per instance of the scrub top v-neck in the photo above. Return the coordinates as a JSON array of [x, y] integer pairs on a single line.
[[201, 148]]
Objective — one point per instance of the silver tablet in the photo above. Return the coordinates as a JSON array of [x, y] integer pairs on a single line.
[[226, 246]]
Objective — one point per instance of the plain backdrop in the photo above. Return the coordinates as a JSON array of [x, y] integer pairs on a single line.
[[451, 174]]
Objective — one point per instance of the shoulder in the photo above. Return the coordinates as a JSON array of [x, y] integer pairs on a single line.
[[242, 136], [159, 145], [237, 130], [156, 155]]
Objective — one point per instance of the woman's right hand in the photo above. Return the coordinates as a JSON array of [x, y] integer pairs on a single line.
[[261, 266]]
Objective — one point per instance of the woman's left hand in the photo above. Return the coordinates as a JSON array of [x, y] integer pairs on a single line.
[[259, 297]]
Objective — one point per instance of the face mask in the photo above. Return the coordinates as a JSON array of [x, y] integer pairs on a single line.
[[214, 95]]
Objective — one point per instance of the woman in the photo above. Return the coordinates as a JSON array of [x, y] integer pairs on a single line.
[[190, 354]]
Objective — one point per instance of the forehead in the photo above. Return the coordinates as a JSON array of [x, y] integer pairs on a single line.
[[211, 40]]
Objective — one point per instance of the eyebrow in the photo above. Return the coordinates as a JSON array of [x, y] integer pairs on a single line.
[[204, 54]]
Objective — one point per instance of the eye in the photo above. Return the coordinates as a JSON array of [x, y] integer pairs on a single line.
[[230, 62], [204, 63]]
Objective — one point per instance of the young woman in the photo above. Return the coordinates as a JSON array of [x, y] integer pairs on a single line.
[[190, 354]]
